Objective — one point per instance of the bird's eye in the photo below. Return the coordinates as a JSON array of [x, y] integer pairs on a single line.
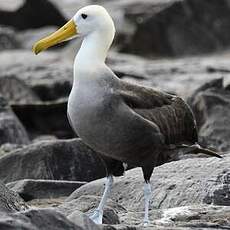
[[84, 16]]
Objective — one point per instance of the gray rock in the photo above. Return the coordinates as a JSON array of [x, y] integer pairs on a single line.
[[196, 216], [55, 160], [10, 201], [184, 182], [30, 189], [211, 105], [28, 37], [8, 147], [16, 91], [8, 39], [41, 219], [44, 138], [11, 129], [83, 220], [48, 75], [28, 15], [174, 30], [203, 217], [11, 5], [178, 76], [44, 77], [45, 118], [88, 204]]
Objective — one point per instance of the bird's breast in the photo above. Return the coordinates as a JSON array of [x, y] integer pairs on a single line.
[[90, 113]]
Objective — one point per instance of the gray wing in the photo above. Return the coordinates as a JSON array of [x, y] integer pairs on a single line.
[[170, 113]]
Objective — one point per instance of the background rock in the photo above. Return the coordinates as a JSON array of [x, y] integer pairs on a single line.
[[55, 160], [10, 201], [83, 220], [16, 91], [45, 75], [211, 105], [30, 189], [11, 129], [88, 203], [43, 118], [28, 15], [40, 219], [181, 76], [8, 39], [175, 30]]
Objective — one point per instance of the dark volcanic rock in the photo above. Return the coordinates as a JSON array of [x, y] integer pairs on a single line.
[[55, 160], [45, 118], [11, 129], [30, 189], [175, 29], [10, 201], [32, 14], [211, 105]]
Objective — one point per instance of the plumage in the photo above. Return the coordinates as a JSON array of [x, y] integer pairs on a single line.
[[122, 122]]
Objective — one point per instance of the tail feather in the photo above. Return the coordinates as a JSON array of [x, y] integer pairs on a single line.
[[207, 152], [198, 149]]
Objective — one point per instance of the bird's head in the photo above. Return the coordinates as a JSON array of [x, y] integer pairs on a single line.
[[88, 20]]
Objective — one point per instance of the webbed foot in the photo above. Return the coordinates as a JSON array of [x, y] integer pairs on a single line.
[[96, 216]]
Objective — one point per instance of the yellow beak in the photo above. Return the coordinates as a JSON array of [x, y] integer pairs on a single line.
[[63, 34]]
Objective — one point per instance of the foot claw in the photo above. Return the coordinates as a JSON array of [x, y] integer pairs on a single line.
[[96, 217]]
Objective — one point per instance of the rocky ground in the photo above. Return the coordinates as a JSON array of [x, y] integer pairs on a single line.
[[50, 179]]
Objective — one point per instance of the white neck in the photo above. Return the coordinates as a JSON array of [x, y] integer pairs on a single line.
[[93, 51]]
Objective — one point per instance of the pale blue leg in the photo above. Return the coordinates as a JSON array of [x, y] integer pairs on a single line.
[[147, 195], [98, 213]]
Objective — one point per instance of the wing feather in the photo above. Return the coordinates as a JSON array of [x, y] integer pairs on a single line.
[[170, 113]]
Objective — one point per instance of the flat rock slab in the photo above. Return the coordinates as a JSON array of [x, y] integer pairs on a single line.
[[30, 189], [180, 183], [55, 160]]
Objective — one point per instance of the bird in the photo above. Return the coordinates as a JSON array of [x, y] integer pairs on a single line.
[[125, 123]]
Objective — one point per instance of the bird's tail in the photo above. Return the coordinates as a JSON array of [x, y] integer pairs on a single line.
[[196, 148]]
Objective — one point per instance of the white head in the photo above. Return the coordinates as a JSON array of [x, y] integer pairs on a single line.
[[91, 22], [93, 18]]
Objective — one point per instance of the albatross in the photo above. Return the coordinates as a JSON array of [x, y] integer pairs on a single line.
[[123, 122]]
